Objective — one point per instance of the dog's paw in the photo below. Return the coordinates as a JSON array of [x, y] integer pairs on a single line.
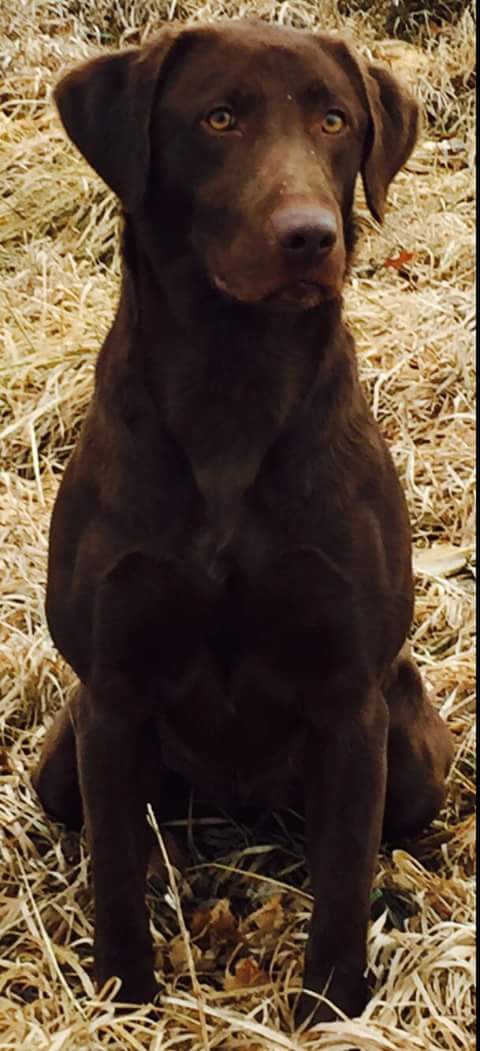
[[320, 1002]]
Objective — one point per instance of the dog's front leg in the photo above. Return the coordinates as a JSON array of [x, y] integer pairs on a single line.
[[345, 777], [113, 760], [141, 630]]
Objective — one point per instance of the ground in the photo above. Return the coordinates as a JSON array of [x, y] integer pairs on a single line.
[[230, 931]]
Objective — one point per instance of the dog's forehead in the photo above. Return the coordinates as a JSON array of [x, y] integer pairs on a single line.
[[256, 60]]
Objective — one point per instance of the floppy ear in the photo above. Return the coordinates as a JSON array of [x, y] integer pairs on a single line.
[[105, 107], [393, 120], [393, 132]]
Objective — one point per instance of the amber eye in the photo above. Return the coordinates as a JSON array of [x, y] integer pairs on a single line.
[[221, 119], [333, 122]]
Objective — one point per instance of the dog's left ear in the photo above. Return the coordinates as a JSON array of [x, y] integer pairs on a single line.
[[392, 135], [393, 120]]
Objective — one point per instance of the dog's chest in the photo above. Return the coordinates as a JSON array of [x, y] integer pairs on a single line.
[[235, 716], [228, 720], [235, 730]]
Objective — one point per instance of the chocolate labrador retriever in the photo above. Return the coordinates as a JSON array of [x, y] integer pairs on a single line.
[[230, 566]]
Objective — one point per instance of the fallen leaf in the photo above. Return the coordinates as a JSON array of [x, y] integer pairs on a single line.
[[178, 953], [199, 922], [247, 973], [218, 922], [269, 917], [222, 921], [399, 261]]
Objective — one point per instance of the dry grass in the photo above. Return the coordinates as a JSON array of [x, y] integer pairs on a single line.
[[228, 987]]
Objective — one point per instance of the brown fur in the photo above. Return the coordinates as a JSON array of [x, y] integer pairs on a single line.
[[230, 564]]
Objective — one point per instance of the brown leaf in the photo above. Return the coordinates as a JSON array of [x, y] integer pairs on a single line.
[[247, 973], [222, 921], [218, 922], [269, 917], [199, 922], [399, 261], [178, 953]]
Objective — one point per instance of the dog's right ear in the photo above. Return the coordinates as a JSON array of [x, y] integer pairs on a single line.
[[105, 107]]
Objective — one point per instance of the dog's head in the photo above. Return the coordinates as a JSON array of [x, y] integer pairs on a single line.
[[239, 144]]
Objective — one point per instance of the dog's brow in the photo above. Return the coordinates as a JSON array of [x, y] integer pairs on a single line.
[[318, 91], [240, 95], [316, 88], [216, 86]]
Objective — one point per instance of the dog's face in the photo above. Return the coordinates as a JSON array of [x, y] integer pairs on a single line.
[[240, 145], [261, 138]]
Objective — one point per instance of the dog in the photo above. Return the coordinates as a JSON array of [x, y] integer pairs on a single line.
[[229, 568]]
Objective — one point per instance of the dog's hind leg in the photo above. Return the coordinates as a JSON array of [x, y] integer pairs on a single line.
[[55, 777], [419, 752]]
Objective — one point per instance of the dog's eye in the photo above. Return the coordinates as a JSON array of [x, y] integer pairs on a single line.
[[221, 119], [333, 122]]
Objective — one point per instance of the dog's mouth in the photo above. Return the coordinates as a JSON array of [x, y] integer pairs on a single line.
[[300, 295], [297, 295]]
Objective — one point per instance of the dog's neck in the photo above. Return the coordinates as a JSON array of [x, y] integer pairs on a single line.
[[224, 378]]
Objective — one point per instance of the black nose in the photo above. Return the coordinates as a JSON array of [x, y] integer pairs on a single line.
[[305, 232]]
